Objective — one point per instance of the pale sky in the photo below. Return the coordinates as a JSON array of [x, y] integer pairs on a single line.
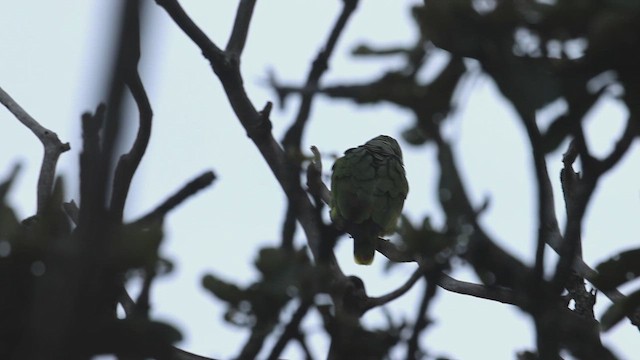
[[54, 62]]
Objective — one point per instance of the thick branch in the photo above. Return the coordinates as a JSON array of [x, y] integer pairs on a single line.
[[256, 123], [496, 293], [53, 147]]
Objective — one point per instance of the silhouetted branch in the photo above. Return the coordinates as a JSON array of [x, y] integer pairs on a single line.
[[387, 298], [496, 293], [240, 28], [188, 190], [180, 17], [422, 319], [293, 136], [6, 183], [621, 147], [128, 163], [52, 145], [303, 345], [547, 220], [256, 124], [291, 331]]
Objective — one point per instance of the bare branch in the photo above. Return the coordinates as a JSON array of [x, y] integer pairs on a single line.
[[180, 17], [240, 28], [314, 178], [496, 293], [547, 219], [128, 163], [621, 147], [188, 190], [320, 65], [422, 321], [256, 124], [387, 298], [52, 145], [392, 252], [291, 330]]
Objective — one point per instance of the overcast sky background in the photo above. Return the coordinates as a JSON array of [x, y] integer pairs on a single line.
[[55, 59]]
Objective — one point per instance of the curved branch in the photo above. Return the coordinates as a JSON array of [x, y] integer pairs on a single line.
[[621, 147], [496, 293], [128, 163], [372, 302], [52, 145]]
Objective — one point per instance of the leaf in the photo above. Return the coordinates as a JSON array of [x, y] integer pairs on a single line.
[[453, 25], [618, 270], [529, 83], [137, 245], [620, 310], [223, 290]]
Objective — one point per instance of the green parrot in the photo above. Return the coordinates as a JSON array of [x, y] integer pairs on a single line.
[[368, 188]]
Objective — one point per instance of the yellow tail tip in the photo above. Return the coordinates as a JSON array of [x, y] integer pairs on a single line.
[[363, 260]]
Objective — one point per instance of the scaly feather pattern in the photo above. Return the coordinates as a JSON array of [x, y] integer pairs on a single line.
[[368, 189]]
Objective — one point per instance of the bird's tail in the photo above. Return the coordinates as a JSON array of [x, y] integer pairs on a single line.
[[364, 246]]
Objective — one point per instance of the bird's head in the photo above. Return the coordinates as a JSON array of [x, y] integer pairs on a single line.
[[385, 145]]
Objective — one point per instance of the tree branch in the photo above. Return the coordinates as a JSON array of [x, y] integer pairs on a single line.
[[188, 190], [496, 293], [387, 298], [291, 330], [621, 147], [422, 321], [180, 17], [52, 145], [128, 163], [315, 184], [256, 124], [293, 136], [240, 28]]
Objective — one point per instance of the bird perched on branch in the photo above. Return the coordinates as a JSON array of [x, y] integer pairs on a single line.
[[368, 188]]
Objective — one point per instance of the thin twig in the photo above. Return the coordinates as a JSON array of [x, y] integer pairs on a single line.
[[291, 330], [188, 190], [293, 136], [387, 298], [422, 320], [547, 219], [52, 145], [621, 147], [6, 183], [180, 17]]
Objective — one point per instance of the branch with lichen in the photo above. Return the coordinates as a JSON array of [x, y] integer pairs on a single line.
[[52, 145]]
